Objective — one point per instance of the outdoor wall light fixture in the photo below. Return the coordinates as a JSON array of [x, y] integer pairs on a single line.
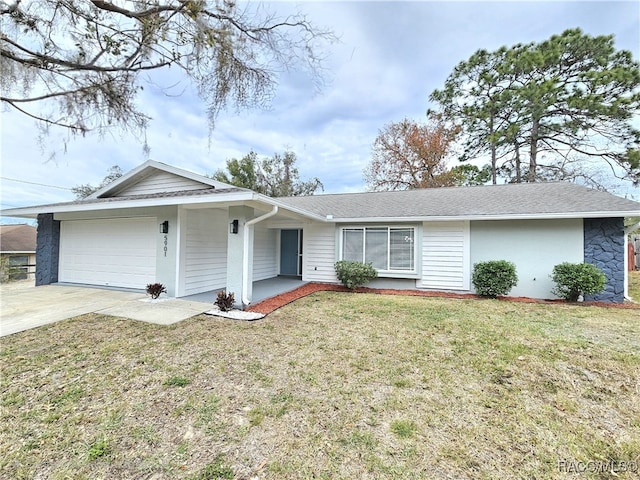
[[164, 227], [233, 227]]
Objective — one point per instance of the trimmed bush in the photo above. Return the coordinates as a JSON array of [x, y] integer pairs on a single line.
[[156, 289], [493, 278], [575, 279], [224, 301], [354, 274]]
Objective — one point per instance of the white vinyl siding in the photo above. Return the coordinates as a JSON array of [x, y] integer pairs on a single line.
[[205, 247], [445, 256], [389, 249], [319, 253], [118, 252], [161, 182], [264, 253]]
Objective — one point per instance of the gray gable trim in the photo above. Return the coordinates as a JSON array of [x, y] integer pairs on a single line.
[[534, 200]]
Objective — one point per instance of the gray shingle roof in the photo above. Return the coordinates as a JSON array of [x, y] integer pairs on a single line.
[[488, 200], [17, 238], [537, 200]]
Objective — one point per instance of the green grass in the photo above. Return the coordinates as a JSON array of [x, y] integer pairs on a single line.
[[177, 381], [634, 285], [335, 386], [404, 428], [98, 448], [217, 470]]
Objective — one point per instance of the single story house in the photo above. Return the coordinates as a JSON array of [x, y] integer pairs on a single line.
[[18, 251], [163, 224]]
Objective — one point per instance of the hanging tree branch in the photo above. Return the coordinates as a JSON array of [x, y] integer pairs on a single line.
[[77, 64]]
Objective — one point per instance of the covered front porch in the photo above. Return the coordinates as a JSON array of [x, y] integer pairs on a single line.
[[262, 289], [255, 253]]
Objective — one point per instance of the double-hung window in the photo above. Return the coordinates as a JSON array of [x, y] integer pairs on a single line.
[[388, 249]]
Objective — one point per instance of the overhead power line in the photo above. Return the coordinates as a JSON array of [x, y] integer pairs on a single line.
[[35, 183]]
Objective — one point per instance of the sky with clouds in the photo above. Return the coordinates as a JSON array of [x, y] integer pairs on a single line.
[[390, 57]]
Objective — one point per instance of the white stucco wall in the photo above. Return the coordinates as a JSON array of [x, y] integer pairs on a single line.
[[535, 246]]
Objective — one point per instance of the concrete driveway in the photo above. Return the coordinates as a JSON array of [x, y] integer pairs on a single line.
[[23, 306]]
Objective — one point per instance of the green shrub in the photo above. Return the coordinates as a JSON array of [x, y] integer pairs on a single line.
[[354, 274], [575, 279], [493, 278]]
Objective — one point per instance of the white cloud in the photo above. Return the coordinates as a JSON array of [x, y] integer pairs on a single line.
[[391, 56]]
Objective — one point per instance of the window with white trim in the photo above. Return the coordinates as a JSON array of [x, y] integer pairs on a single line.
[[388, 249]]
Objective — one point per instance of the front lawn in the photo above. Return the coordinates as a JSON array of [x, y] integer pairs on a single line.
[[335, 385], [634, 285]]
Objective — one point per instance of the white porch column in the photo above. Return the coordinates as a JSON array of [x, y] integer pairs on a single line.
[[235, 252]]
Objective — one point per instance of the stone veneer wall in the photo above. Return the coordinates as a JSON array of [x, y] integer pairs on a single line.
[[604, 248], [47, 250]]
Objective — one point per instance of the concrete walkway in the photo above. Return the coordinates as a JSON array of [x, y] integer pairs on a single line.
[[23, 306]]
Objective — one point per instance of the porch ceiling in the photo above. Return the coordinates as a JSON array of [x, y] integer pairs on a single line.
[[259, 208]]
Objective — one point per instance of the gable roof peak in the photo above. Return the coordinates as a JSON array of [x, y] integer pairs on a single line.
[[146, 169]]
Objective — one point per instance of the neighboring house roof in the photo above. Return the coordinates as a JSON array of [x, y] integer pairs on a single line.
[[17, 239], [156, 184], [525, 200]]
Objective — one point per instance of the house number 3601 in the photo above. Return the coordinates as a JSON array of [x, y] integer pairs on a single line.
[[166, 242]]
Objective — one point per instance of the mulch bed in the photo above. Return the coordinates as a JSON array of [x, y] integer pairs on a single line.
[[270, 304]]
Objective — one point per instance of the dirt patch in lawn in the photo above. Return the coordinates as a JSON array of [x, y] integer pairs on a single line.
[[269, 305]]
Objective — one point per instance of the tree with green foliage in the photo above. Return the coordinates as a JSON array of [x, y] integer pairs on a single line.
[[84, 190], [80, 65], [242, 173], [543, 110], [473, 99], [276, 176], [466, 174]]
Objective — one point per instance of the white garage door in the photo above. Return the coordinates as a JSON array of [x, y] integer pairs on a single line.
[[118, 252]]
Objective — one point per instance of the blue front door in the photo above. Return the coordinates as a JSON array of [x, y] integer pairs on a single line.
[[291, 252]]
